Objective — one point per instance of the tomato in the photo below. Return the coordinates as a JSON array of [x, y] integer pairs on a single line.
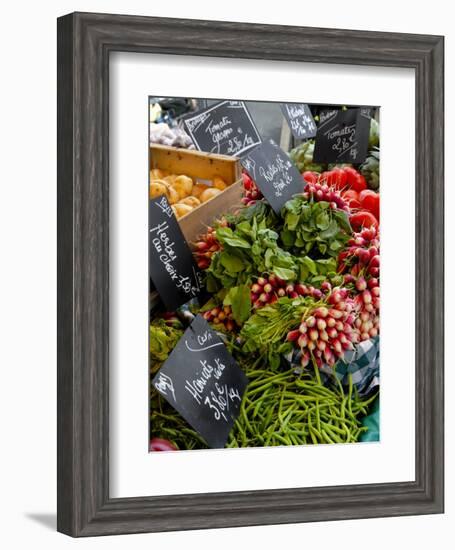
[[370, 201], [310, 177], [352, 198], [158, 444], [247, 181], [336, 178], [355, 180], [363, 219]]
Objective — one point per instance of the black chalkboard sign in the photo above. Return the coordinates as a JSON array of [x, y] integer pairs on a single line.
[[274, 173], [300, 120], [342, 136], [171, 265], [203, 382], [225, 128]]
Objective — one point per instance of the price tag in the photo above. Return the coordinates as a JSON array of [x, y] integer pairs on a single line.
[[171, 264], [225, 128], [203, 382], [274, 173], [342, 136], [300, 120]]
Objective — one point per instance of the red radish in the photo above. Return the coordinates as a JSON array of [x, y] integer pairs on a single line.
[[293, 335], [311, 321], [268, 288], [314, 334], [159, 444]]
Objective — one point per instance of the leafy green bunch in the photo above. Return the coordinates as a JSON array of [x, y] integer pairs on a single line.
[[249, 248], [313, 228]]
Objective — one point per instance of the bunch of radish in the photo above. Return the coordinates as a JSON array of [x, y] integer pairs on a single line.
[[323, 192], [361, 257], [206, 247], [221, 315], [367, 303], [267, 289], [252, 191], [327, 331]]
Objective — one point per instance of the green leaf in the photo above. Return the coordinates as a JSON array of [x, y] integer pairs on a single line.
[[241, 303], [287, 237], [226, 235], [343, 220], [322, 221], [268, 258], [232, 263], [284, 273], [292, 220], [310, 264], [330, 231]]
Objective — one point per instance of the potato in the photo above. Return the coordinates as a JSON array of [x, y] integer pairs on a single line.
[[157, 174], [157, 188], [191, 201], [170, 179], [181, 209], [198, 189], [172, 195], [183, 185], [219, 183], [209, 194]]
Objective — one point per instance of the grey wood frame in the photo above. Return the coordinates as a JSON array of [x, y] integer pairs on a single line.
[[84, 43]]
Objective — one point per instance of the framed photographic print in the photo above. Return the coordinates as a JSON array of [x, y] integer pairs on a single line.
[[250, 252]]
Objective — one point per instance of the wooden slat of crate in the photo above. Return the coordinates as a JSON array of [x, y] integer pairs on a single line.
[[196, 164], [197, 221]]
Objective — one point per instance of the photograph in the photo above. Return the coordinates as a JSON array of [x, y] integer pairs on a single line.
[[264, 264]]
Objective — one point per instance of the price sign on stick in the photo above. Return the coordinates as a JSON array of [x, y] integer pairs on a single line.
[[171, 264], [300, 120], [225, 128], [274, 173], [203, 382], [342, 136]]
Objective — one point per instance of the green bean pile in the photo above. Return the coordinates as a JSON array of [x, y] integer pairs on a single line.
[[278, 409]]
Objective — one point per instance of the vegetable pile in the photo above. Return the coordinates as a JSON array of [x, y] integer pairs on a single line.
[[291, 294]]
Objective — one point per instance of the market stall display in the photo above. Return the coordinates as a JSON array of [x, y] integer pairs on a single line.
[[292, 290]]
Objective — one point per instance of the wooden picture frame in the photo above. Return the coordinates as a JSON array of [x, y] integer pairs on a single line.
[[84, 44]]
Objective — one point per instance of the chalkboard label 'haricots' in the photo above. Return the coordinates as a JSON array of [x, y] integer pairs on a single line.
[[203, 382], [171, 265], [300, 120], [225, 128], [342, 136], [274, 173]]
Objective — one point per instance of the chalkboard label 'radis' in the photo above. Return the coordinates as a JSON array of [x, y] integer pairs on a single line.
[[342, 136], [300, 120], [203, 382], [274, 173], [225, 128], [171, 265]]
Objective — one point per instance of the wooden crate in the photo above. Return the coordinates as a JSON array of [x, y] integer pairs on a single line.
[[201, 167]]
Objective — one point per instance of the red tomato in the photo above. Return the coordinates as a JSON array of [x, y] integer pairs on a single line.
[[310, 177], [370, 201], [355, 180], [363, 219], [336, 178], [352, 198]]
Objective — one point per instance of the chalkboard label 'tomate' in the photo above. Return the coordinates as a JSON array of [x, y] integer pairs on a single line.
[[225, 128], [171, 264], [274, 173], [342, 136], [203, 382], [299, 119]]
